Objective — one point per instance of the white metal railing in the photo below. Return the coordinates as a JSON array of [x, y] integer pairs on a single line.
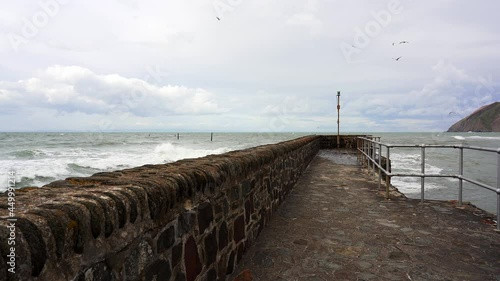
[[371, 150]]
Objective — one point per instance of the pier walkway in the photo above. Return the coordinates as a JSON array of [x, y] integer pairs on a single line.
[[337, 225]]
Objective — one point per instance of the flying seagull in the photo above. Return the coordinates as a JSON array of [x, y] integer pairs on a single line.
[[402, 42], [217, 18], [396, 59]]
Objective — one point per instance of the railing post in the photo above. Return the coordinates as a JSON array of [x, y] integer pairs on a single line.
[[374, 152], [380, 165], [387, 177], [371, 157], [368, 153], [461, 172], [422, 178], [498, 209], [357, 150], [361, 142], [362, 149], [370, 150], [498, 189], [368, 156], [363, 155]]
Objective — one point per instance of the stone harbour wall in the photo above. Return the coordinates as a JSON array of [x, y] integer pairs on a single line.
[[346, 141], [188, 220]]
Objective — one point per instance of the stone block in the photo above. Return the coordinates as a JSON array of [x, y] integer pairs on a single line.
[[176, 254], [191, 259], [249, 209], [222, 266], [223, 236], [137, 260], [241, 251], [180, 277], [211, 275], [185, 223], [235, 193], [166, 239], [36, 244], [98, 272], [205, 216], [211, 248], [247, 186], [239, 229], [230, 263], [158, 270]]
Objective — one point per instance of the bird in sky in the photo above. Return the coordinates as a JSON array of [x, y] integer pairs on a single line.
[[217, 18], [396, 59], [404, 42]]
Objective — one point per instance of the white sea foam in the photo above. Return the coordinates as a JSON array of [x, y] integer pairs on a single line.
[[33, 172], [168, 152], [142, 155], [46, 165], [483, 138], [476, 137], [411, 163], [412, 185]]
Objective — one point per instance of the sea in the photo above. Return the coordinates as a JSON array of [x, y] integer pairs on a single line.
[[40, 158]]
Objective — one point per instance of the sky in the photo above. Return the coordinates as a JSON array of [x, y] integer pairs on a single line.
[[246, 65]]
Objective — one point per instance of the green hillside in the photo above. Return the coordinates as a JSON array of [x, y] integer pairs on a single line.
[[485, 119]]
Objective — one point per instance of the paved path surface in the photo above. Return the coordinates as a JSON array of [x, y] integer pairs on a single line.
[[336, 225]]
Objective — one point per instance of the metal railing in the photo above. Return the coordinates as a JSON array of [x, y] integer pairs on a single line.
[[371, 150]]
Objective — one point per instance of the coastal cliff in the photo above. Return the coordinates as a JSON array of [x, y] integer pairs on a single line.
[[484, 119]]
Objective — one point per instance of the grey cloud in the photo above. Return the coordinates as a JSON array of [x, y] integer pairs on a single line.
[[72, 88], [285, 48]]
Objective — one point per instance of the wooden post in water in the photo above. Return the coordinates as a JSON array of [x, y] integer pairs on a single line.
[[211, 136], [338, 119], [177, 135]]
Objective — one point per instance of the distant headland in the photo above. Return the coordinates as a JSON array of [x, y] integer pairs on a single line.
[[484, 119]]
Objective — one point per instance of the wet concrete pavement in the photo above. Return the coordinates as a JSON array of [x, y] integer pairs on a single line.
[[337, 225]]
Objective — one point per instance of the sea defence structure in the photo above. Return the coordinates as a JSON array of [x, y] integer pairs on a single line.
[[189, 220]]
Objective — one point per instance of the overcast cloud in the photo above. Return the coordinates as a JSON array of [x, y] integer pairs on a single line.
[[276, 66]]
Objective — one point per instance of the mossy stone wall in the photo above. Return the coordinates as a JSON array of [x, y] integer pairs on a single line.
[[189, 220]]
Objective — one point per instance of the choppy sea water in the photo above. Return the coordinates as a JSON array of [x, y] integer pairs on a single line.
[[478, 165], [40, 158]]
